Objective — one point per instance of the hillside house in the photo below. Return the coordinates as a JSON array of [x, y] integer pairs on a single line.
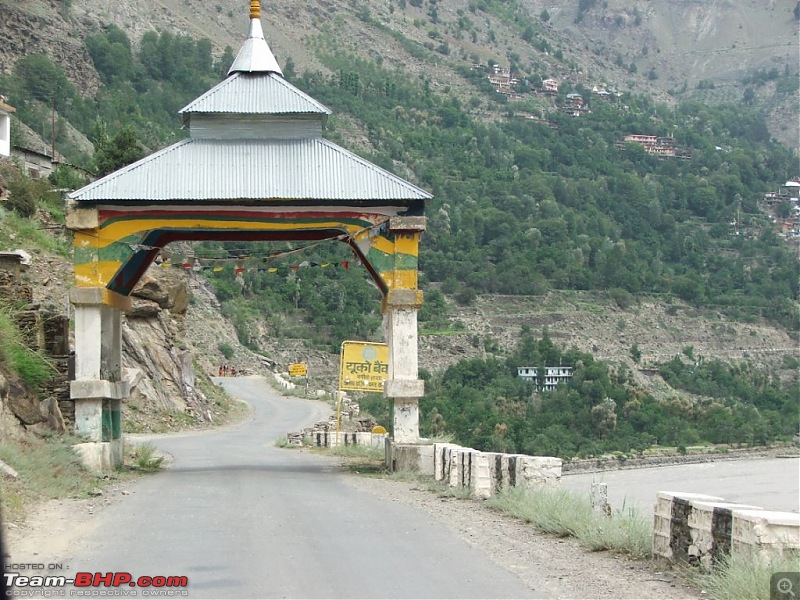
[[552, 376], [575, 100], [788, 225], [550, 86], [502, 80], [5, 127], [602, 92], [38, 165], [659, 146]]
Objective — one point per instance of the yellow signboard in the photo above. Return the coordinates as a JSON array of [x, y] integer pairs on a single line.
[[298, 370], [364, 366]]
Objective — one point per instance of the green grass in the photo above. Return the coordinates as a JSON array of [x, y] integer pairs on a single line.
[[364, 460], [743, 578], [47, 469], [566, 514], [33, 367], [443, 490], [371, 453], [28, 233], [146, 459]]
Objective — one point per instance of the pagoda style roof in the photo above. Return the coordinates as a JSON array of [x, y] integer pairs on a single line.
[[253, 137], [256, 169], [261, 93]]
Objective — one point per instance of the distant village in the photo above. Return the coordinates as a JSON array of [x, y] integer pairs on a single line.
[[783, 207], [508, 84]]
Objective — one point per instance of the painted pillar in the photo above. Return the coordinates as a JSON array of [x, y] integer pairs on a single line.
[[98, 388], [400, 306]]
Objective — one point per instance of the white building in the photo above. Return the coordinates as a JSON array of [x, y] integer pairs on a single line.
[[552, 376], [5, 127]]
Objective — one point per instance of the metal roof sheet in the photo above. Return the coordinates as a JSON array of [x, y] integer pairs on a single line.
[[255, 55], [255, 93], [213, 169]]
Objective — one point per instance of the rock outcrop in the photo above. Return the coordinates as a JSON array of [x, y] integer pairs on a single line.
[[157, 363]]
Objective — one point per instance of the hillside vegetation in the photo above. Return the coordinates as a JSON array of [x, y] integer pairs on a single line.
[[528, 199]]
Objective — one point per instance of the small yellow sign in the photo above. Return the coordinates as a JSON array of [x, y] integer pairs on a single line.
[[364, 366], [298, 370]]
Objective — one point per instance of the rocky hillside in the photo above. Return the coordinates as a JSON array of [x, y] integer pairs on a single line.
[[674, 50], [171, 342]]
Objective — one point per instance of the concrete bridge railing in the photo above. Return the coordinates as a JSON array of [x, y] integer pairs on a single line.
[[702, 529], [481, 474]]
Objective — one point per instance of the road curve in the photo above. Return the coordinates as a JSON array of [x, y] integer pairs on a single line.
[[241, 518]]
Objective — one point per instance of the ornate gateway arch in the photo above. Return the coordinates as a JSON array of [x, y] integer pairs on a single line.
[[254, 167]]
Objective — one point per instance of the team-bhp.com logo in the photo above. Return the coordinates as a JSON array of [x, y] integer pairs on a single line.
[[95, 584]]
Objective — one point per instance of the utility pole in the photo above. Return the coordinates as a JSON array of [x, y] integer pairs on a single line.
[[53, 133]]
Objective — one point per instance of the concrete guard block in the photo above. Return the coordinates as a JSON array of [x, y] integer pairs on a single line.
[[765, 532], [538, 470], [480, 476], [671, 533], [710, 528], [100, 457], [441, 461], [412, 457]]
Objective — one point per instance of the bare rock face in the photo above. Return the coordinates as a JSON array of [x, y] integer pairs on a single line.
[[158, 368], [22, 405], [143, 309], [166, 287]]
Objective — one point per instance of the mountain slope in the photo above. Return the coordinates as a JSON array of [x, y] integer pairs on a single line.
[[685, 48]]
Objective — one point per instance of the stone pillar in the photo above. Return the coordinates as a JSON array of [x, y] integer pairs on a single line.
[[403, 385], [400, 306], [98, 389]]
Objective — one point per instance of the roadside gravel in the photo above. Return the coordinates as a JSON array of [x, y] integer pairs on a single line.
[[558, 566]]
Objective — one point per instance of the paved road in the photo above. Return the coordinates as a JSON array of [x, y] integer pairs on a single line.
[[243, 519], [773, 484]]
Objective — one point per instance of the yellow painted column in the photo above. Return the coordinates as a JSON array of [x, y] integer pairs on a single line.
[[400, 306]]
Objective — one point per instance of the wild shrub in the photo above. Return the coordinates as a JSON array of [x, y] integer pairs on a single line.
[[146, 459]]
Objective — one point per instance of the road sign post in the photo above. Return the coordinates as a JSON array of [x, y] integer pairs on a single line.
[[364, 366], [298, 369]]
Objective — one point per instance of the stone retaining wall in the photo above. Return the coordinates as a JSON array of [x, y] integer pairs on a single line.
[[592, 465]]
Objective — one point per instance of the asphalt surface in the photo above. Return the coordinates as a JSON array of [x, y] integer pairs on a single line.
[[241, 518], [772, 484]]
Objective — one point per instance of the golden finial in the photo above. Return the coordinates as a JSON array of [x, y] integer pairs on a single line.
[[255, 9]]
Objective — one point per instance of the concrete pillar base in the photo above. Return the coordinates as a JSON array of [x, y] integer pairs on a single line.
[[101, 457], [405, 421], [415, 458]]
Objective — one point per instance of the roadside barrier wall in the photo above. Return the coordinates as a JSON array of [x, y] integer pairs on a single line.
[[330, 439], [481, 474], [701, 529]]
